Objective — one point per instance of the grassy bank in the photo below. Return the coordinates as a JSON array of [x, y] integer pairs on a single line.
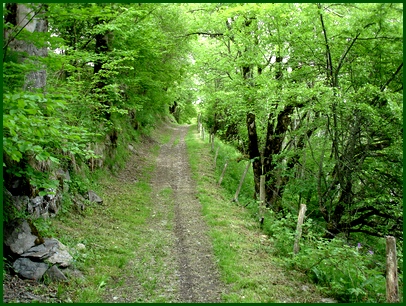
[[243, 252]]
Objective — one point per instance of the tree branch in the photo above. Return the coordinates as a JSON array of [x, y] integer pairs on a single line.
[[341, 61], [370, 211], [19, 31], [328, 53], [381, 37], [201, 33], [392, 77], [356, 230], [201, 9]]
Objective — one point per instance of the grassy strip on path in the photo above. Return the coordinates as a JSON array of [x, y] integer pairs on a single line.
[[243, 252]]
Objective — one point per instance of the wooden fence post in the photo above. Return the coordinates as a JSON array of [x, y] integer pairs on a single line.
[[198, 122], [392, 286], [302, 211], [222, 173], [261, 198], [215, 156], [212, 142], [235, 199]]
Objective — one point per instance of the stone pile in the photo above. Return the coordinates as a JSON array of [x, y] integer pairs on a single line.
[[36, 257]]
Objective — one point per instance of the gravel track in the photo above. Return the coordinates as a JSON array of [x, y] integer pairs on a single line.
[[198, 278]]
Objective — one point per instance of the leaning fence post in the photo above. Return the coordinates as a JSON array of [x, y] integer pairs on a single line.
[[222, 173], [261, 198], [235, 199], [302, 211], [392, 287]]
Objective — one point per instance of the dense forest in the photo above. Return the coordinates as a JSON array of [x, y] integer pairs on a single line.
[[311, 94]]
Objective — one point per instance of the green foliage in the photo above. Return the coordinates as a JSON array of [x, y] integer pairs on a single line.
[[234, 171], [112, 71], [349, 273], [329, 119], [32, 130], [346, 272], [281, 232], [79, 183]]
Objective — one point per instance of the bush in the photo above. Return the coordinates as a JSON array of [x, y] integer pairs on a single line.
[[345, 272], [349, 273]]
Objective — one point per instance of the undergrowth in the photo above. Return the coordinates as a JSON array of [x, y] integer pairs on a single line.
[[345, 270]]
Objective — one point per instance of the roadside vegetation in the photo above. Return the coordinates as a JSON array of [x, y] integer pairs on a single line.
[[113, 233], [345, 271]]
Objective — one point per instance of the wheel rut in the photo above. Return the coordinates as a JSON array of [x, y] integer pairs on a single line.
[[197, 277]]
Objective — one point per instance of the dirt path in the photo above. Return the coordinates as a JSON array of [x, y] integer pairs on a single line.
[[169, 257], [198, 279]]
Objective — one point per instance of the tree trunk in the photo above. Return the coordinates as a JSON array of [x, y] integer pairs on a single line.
[[273, 146], [292, 161], [32, 20], [253, 150], [101, 48]]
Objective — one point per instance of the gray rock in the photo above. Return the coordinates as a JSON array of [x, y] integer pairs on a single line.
[[34, 206], [44, 250], [19, 237], [73, 273], [93, 197], [37, 201], [51, 195], [55, 274], [80, 246], [37, 252], [79, 200], [20, 202], [7, 196], [30, 269], [328, 300], [54, 202], [62, 175], [61, 257], [131, 148]]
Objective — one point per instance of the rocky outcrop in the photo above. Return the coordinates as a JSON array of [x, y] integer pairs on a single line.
[[61, 257], [36, 256], [49, 204], [18, 237], [39, 206], [31, 255], [55, 275]]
